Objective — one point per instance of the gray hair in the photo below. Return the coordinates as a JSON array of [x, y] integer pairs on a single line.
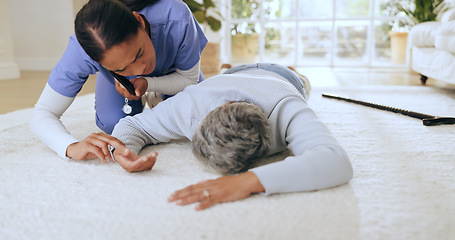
[[230, 136]]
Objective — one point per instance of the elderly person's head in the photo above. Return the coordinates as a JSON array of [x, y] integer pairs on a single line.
[[231, 136]]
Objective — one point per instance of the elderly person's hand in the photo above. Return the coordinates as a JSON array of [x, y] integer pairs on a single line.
[[131, 162], [223, 189]]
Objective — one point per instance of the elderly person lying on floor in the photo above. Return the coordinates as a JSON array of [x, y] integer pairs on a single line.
[[232, 119]]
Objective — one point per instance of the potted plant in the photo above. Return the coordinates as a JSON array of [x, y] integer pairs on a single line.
[[209, 17], [408, 13], [396, 30], [425, 10], [244, 38]]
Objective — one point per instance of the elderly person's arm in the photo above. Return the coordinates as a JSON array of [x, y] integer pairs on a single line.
[[167, 121], [319, 162]]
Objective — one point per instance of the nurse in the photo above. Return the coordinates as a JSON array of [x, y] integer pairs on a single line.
[[156, 44]]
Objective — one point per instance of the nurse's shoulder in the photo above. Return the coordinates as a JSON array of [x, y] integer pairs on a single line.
[[166, 10]]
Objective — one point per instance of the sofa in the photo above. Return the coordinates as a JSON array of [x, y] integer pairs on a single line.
[[432, 49]]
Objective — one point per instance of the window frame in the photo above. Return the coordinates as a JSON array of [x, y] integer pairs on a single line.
[[372, 18]]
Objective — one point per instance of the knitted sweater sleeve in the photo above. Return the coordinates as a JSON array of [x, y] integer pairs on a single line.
[[168, 120], [319, 161]]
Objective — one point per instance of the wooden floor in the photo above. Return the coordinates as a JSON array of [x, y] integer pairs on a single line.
[[16, 94]]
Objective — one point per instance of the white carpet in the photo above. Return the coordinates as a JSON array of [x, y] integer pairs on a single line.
[[403, 185]]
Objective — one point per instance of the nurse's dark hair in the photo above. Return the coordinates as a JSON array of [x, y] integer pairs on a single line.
[[102, 24], [138, 5]]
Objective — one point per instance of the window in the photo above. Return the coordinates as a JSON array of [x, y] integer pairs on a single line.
[[329, 33]]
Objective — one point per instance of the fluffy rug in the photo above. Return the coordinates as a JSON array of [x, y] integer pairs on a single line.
[[403, 185]]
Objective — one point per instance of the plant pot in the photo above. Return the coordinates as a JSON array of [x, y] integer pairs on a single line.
[[210, 60], [244, 48], [398, 43]]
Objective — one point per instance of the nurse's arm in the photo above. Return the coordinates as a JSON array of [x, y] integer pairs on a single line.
[[45, 121], [175, 82]]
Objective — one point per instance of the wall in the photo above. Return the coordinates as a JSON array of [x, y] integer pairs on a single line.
[[40, 31], [8, 66], [77, 5]]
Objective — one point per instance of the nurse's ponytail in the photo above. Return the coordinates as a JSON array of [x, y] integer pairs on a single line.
[[138, 5], [101, 24]]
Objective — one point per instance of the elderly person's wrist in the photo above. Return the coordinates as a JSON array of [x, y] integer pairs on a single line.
[[253, 183]]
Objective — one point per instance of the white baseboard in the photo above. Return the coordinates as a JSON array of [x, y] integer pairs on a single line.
[[9, 70], [37, 64]]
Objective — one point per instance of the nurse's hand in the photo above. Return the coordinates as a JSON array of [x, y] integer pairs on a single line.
[[131, 162], [140, 85], [93, 146]]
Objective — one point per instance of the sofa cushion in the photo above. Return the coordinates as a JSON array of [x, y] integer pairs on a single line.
[[446, 29], [434, 63], [424, 34], [448, 16], [445, 37]]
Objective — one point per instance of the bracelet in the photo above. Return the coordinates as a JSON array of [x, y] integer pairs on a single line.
[[111, 151]]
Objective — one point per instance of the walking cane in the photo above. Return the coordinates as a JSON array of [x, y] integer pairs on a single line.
[[427, 120]]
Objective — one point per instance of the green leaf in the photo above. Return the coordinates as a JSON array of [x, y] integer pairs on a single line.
[[214, 24], [208, 4], [200, 16], [193, 5]]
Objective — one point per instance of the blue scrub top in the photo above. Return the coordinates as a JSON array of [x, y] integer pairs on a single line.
[[175, 34]]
